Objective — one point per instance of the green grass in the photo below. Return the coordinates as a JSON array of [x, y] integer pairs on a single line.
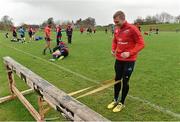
[[156, 77], [162, 27]]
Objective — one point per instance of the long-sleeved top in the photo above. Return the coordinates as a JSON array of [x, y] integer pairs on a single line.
[[127, 38]]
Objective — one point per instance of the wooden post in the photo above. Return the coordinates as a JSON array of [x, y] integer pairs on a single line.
[[11, 80], [9, 97], [30, 108], [42, 104]]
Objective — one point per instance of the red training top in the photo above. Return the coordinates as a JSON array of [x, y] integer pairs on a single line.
[[81, 29], [58, 29], [127, 38], [47, 31]]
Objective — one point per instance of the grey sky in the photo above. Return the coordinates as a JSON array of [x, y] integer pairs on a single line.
[[36, 11]]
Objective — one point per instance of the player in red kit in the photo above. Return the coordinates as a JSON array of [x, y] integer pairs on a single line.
[[47, 32], [126, 45]]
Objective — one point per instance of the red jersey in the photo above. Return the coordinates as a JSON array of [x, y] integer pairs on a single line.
[[47, 31], [81, 29], [30, 29], [127, 38], [58, 29]]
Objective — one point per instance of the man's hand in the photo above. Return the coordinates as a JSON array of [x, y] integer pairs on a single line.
[[113, 53], [125, 54]]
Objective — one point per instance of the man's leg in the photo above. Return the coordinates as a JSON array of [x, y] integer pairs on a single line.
[[127, 71], [55, 55], [117, 87], [49, 46], [63, 55], [57, 40], [129, 66], [70, 38], [118, 76], [44, 51]]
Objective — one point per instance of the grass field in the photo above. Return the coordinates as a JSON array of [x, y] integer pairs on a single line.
[[154, 86], [162, 27]]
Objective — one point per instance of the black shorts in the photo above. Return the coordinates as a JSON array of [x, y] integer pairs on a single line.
[[14, 34], [123, 69], [64, 52], [47, 39], [22, 36], [30, 34]]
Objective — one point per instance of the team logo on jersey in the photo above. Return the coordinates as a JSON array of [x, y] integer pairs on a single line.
[[129, 69], [126, 31], [116, 31], [120, 39]]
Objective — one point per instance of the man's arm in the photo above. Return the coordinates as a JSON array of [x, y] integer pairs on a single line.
[[114, 46], [138, 40]]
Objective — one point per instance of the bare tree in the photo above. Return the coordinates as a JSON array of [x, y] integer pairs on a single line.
[[150, 20], [79, 23], [158, 18], [88, 22], [165, 17], [50, 20], [6, 22], [139, 20]]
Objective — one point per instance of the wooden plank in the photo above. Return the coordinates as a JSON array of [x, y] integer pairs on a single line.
[[55, 97], [30, 108], [10, 97], [10, 79]]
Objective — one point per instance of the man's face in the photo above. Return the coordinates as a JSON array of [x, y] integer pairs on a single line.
[[118, 21]]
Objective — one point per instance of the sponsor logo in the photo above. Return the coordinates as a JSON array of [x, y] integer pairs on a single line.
[[120, 42], [120, 39], [126, 31], [129, 69]]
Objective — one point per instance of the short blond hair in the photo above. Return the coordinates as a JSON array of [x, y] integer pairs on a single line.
[[119, 14]]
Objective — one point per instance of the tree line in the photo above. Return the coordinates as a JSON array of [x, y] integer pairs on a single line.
[[162, 18], [6, 22]]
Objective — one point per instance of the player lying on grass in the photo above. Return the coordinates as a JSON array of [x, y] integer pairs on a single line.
[[60, 52]]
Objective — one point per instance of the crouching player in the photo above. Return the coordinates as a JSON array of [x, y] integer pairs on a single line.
[[60, 52]]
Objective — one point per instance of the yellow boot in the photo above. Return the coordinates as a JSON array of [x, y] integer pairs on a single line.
[[118, 107], [112, 105], [60, 58]]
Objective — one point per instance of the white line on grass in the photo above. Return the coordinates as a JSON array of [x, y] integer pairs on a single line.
[[61, 67], [159, 108]]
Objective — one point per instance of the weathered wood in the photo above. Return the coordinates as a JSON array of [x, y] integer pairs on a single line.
[[10, 97], [30, 108], [55, 97], [40, 104], [10, 79]]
